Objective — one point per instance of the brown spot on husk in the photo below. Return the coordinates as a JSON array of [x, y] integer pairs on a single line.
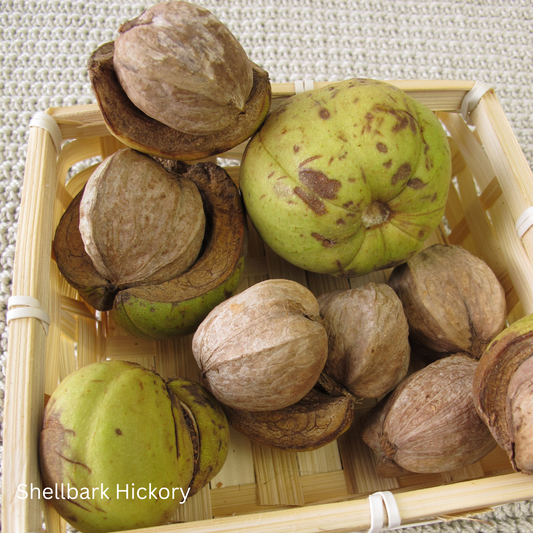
[[324, 113], [402, 173], [312, 201], [382, 148], [326, 243], [308, 160], [416, 183], [319, 183]]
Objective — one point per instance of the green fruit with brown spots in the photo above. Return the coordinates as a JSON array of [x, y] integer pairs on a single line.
[[347, 179], [119, 449]]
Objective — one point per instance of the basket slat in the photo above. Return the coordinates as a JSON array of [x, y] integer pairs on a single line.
[[23, 409], [508, 161], [349, 516]]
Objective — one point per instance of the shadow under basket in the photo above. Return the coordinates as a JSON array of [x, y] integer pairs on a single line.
[[260, 489]]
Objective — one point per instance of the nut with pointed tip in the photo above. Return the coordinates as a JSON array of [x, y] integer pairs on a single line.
[[452, 299], [503, 392], [140, 224], [429, 423], [368, 346], [177, 84], [181, 66]]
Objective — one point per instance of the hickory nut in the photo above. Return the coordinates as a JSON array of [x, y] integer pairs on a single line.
[[264, 348], [182, 67], [368, 348], [452, 299], [140, 224], [429, 423], [177, 84]]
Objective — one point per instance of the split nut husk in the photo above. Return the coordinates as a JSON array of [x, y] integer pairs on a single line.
[[139, 224], [368, 346], [503, 392], [429, 423], [115, 425], [264, 348], [452, 299], [177, 84], [317, 419]]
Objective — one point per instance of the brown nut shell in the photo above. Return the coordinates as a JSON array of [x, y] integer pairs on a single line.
[[137, 130], [368, 346], [264, 348], [316, 420], [429, 423], [503, 392], [181, 66], [452, 299], [139, 223]]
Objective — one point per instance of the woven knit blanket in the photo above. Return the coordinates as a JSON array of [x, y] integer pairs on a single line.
[[45, 44]]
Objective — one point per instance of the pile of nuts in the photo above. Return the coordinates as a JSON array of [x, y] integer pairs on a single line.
[[159, 240]]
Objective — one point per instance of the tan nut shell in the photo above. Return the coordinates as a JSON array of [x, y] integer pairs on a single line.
[[139, 223], [452, 299], [264, 348], [181, 66], [429, 423], [368, 347]]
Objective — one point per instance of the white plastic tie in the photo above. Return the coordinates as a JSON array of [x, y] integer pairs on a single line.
[[472, 98], [377, 518], [524, 222], [30, 308], [301, 86], [46, 122]]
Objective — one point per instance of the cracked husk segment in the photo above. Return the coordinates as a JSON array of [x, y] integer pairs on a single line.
[[347, 179], [111, 424], [314, 421], [212, 426], [148, 319], [503, 392]]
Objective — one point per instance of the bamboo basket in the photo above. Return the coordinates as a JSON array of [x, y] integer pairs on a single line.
[[260, 489]]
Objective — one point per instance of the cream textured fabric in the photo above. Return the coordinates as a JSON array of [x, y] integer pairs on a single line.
[[45, 44]]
